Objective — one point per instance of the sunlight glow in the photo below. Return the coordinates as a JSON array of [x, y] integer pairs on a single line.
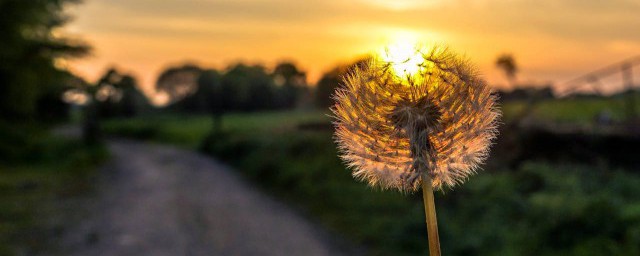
[[404, 57]]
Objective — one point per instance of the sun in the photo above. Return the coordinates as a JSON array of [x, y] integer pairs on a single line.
[[404, 57]]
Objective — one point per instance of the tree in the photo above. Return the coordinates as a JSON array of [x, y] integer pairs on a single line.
[[30, 83], [209, 97], [206, 99], [507, 63], [290, 81], [106, 94], [247, 88], [113, 95], [330, 81], [199, 100], [178, 82], [29, 79], [133, 101]]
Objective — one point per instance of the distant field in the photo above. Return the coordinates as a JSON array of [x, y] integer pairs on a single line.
[[189, 131], [538, 209], [576, 111]]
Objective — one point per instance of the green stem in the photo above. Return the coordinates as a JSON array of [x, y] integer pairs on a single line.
[[430, 211]]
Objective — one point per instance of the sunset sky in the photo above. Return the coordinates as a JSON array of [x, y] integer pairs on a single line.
[[551, 40]]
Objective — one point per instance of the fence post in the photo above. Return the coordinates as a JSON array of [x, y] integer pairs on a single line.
[[627, 77]]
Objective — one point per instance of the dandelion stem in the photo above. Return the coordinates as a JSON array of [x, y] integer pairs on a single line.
[[430, 211]]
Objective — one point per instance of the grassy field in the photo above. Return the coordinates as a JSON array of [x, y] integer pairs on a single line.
[[580, 111], [190, 131], [30, 188], [537, 209]]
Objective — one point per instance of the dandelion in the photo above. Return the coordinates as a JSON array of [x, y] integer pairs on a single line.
[[426, 119]]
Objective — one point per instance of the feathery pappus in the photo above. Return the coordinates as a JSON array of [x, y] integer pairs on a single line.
[[393, 126]]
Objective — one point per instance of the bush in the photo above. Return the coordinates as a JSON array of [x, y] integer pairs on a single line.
[[539, 209], [32, 186]]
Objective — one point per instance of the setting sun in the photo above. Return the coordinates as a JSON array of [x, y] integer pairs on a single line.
[[404, 57]]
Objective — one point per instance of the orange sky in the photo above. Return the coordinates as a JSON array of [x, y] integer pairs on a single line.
[[551, 40]]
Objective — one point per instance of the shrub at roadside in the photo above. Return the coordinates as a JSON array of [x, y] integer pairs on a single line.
[[33, 185], [539, 209]]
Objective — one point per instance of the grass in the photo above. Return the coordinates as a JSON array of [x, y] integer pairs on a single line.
[[580, 111], [190, 131], [30, 188]]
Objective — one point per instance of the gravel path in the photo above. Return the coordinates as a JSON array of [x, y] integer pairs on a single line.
[[160, 200]]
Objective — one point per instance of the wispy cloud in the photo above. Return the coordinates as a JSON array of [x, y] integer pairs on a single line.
[[550, 39]]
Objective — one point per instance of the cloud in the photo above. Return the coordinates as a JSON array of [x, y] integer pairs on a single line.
[[574, 19], [548, 36], [223, 10]]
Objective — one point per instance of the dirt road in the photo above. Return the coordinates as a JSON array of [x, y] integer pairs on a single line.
[[160, 200]]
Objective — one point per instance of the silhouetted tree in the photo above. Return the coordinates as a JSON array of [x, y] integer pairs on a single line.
[[199, 100], [133, 101], [507, 63], [106, 95], [210, 97], [247, 88], [29, 79], [49, 105], [290, 82], [178, 82], [113, 95], [240, 88], [206, 98], [330, 81]]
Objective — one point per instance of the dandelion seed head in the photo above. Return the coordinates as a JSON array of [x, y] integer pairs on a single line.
[[392, 127]]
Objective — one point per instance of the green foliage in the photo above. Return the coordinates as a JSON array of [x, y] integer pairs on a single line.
[[247, 88], [207, 99], [117, 95], [538, 209], [19, 142], [290, 82], [31, 187], [178, 82], [29, 81], [190, 130], [240, 87], [542, 209], [579, 111]]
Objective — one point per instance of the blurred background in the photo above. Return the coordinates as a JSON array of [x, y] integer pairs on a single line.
[[96, 93]]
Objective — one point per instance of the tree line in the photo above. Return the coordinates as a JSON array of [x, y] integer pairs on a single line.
[[191, 89], [242, 87]]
